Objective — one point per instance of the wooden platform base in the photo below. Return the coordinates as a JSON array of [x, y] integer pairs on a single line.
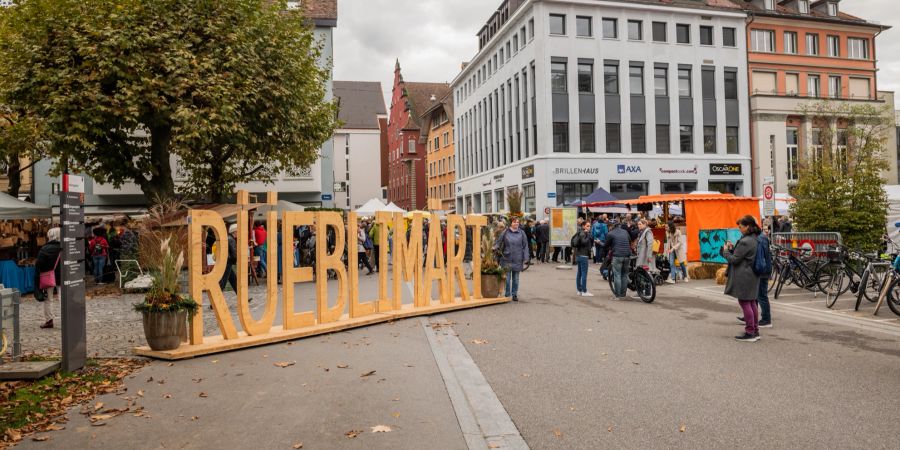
[[216, 344]]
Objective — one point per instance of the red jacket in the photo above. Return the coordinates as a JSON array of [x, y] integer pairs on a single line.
[[98, 246], [259, 235]]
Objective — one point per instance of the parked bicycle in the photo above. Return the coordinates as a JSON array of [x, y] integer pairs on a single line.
[[794, 270], [840, 274], [872, 280], [639, 280]]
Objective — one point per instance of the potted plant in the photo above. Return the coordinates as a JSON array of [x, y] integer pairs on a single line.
[[492, 273], [165, 309], [514, 200]]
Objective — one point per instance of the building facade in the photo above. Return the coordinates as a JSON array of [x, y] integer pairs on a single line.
[[407, 155], [357, 143], [634, 97], [440, 166], [312, 187], [800, 53]]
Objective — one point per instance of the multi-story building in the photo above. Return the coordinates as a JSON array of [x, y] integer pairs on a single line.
[[313, 187], [440, 166], [407, 154], [801, 52], [565, 96], [357, 143]]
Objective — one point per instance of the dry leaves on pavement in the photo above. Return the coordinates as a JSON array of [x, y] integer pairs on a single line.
[[298, 445], [343, 366], [479, 342], [367, 374], [381, 429], [353, 434], [557, 433], [284, 364]]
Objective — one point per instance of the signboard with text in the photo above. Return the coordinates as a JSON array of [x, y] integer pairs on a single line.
[[725, 169], [768, 200], [74, 333]]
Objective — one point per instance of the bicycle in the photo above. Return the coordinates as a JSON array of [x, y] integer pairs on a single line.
[[796, 271], [893, 291], [837, 277], [872, 279], [642, 282]]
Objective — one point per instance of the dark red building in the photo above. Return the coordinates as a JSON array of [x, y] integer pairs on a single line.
[[407, 182]]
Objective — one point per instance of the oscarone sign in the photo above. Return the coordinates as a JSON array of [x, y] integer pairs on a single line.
[[348, 311]]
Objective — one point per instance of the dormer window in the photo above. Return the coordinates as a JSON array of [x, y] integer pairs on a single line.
[[769, 4], [832, 9], [803, 6]]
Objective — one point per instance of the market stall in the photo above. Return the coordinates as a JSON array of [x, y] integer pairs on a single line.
[[23, 230]]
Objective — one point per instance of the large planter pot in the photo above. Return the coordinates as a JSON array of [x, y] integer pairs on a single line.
[[163, 330], [491, 285]]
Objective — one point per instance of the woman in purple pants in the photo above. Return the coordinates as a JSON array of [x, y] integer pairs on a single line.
[[743, 283]]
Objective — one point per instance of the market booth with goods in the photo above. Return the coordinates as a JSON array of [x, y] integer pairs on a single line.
[[23, 230]]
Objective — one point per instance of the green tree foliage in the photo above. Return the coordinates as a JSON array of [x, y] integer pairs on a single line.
[[840, 181], [231, 88], [21, 145]]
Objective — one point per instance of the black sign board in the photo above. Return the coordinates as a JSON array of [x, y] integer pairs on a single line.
[[74, 333], [528, 172], [725, 169]]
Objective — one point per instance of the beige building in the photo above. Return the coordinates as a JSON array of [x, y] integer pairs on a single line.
[[440, 165]]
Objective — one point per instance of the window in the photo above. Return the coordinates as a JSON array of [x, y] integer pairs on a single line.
[[812, 85], [858, 48], [628, 190], [662, 139], [834, 46], [832, 9], [522, 37], [683, 33], [584, 26], [610, 28], [502, 59], [815, 144], [501, 199], [588, 141], [686, 133], [840, 156], [508, 51], [636, 80], [764, 82], [611, 79], [812, 44], [803, 6], [793, 156], [732, 147], [568, 193], [531, 27], [436, 144], [613, 138], [706, 35], [731, 89], [638, 138], [561, 137], [558, 77], [729, 37], [446, 139], [635, 30], [708, 82], [557, 24], [585, 78], [859, 88], [660, 83], [684, 83], [769, 4], [678, 187], [762, 41], [834, 86], [792, 83], [709, 139], [659, 32], [790, 42]]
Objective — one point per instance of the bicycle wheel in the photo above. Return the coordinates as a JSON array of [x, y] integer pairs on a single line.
[[833, 290], [825, 275], [893, 297], [861, 291], [773, 279], [872, 287], [646, 288]]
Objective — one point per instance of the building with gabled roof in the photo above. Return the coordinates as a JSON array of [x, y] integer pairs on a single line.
[[441, 157], [357, 143]]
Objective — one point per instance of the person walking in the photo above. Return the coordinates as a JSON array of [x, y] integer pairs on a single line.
[[676, 250], [644, 247], [375, 237], [762, 297], [743, 283], [599, 231], [230, 276], [619, 243], [48, 259], [361, 238], [543, 240], [582, 243], [99, 248], [513, 248], [259, 248]]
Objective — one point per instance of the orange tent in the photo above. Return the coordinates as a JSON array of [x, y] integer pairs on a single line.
[[705, 212]]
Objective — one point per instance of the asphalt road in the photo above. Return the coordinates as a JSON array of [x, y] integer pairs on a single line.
[[570, 372]]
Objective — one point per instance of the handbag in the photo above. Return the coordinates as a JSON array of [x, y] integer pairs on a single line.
[[48, 279]]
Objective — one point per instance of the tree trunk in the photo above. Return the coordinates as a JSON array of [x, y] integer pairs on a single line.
[[161, 186], [14, 173], [217, 192]]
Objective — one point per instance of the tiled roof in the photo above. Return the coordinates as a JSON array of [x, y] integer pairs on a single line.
[[446, 102], [320, 9], [360, 104], [782, 10], [420, 97]]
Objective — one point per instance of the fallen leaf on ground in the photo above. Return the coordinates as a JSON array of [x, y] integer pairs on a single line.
[[408, 365], [40, 438], [636, 363], [352, 434], [493, 445], [98, 406], [14, 435], [381, 429], [98, 424], [194, 418], [204, 395], [610, 429], [100, 417], [214, 361], [55, 427], [396, 415], [298, 445], [558, 434], [367, 374], [167, 396], [395, 399], [140, 393], [284, 364], [479, 342], [682, 428], [196, 380], [171, 364], [343, 366], [525, 375]]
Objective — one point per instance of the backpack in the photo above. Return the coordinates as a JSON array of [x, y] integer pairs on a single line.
[[762, 263], [98, 248]]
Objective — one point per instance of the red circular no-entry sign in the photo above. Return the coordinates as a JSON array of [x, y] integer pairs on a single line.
[[768, 193]]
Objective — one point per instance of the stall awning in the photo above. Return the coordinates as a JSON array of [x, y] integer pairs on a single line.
[[12, 208], [669, 198]]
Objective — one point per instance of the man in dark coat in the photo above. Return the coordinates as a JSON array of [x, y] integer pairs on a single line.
[[230, 277]]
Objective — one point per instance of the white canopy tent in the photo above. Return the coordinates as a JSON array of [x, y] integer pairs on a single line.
[[391, 207], [12, 208], [371, 207], [282, 207], [782, 204]]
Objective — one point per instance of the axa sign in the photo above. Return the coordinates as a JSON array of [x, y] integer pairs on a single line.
[[622, 168]]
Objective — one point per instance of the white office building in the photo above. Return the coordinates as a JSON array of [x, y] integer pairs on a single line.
[[638, 98]]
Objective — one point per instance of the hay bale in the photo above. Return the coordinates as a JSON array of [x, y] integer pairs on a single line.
[[703, 271], [721, 279]]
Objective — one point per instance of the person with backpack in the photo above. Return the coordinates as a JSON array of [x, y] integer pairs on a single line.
[[598, 232], [762, 267], [362, 242], [743, 282], [582, 243], [512, 245], [99, 249]]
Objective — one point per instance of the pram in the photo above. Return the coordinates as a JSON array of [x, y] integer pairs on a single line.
[[663, 269]]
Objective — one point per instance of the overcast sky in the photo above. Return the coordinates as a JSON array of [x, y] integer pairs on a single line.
[[432, 37]]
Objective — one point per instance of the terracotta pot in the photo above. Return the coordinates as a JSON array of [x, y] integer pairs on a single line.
[[491, 285], [163, 330]]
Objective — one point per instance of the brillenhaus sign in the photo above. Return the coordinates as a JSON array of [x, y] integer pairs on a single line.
[[348, 311]]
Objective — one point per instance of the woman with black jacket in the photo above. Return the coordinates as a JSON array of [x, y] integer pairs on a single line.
[[47, 260], [582, 243]]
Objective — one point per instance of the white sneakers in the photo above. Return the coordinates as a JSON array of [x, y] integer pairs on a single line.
[[587, 294], [670, 281]]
